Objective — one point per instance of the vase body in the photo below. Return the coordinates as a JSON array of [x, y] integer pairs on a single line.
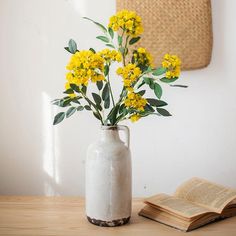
[[108, 179]]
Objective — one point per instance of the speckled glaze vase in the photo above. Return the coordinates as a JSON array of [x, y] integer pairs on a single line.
[[108, 178]]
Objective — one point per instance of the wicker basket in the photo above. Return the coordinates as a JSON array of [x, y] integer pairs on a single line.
[[182, 27]]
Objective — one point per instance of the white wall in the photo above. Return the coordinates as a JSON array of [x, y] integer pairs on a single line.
[[36, 158]]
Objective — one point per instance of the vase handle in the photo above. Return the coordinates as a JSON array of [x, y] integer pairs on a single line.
[[127, 134]]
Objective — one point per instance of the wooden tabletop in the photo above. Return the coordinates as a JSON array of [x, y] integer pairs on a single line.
[[65, 216]]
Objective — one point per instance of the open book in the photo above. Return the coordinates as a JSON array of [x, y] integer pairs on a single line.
[[195, 203]]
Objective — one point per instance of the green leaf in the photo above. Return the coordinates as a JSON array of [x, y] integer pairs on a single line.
[[156, 103], [87, 107], [163, 112], [68, 50], [122, 106], [149, 69], [105, 92], [157, 90], [97, 98], [152, 85], [112, 115], [80, 108], [70, 111], [125, 111], [84, 89], [69, 91], [148, 108], [179, 85], [59, 118], [99, 85], [99, 107], [56, 102], [134, 40], [142, 67], [111, 32], [142, 92], [103, 38], [75, 88], [98, 24], [76, 100], [96, 115], [106, 70], [106, 96], [119, 40], [92, 50], [143, 82], [159, 71], [110, 45], [62, 102], [72, 46], [65, 102], [148, 80], [147, 113], [166, 80], [107, 103]]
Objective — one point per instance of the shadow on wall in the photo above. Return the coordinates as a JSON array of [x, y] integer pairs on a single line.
[[51, 150], [55, 181]]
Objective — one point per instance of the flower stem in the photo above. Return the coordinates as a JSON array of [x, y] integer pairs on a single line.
[[125, 48], [93, 105], [109, 85]]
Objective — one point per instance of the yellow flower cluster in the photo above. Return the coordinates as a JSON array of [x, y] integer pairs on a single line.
[[135, 117], [84, 66], [130, 74], [110, 55], [143, 57], [136, 101], [128, 21], [172, 63]]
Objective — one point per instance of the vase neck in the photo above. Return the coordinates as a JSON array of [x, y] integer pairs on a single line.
[[109, 134]]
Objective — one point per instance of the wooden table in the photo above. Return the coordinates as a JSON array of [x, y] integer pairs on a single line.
[[65, 216]]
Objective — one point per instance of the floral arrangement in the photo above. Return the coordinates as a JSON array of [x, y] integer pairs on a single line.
[[88, 68]]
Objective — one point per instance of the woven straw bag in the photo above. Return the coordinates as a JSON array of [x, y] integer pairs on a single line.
[[182, 27]]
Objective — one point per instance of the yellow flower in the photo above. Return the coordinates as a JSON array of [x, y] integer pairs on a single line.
[[135, 117], [72, 95], [135, 101], [119, 70], [141, 50], [172, 64], [85, 66], [143, 57], [128, 21], [110, 55], [129, 24], [130, 73]]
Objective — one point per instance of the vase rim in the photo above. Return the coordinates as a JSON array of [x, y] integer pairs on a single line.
[[109, 127]]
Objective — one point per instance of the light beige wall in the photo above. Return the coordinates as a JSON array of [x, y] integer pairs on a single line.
[[36, 158]]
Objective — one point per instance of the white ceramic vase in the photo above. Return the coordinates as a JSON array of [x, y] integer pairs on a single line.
[[108, 178]]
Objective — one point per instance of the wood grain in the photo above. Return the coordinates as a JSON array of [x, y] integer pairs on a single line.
[[65, 216]]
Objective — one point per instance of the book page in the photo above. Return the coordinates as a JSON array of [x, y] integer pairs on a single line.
[[164, 218], [207, 194], [175, 205]]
